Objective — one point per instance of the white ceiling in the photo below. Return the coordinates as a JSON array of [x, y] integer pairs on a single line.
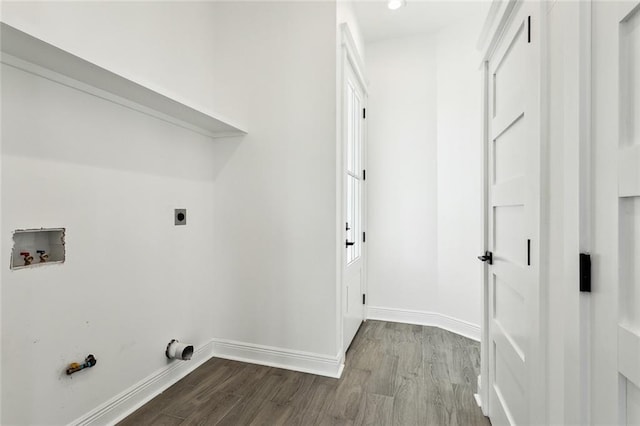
[[377, 22]]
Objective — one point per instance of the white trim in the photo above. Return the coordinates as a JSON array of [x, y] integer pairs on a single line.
[[478, 396], [484, 341], [496, 23], [432, 319], [489, 23], [306, 362], [125, 403], [353, 56]]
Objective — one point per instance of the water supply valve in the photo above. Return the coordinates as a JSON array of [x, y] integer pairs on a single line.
[[27, 257], [43, 256]]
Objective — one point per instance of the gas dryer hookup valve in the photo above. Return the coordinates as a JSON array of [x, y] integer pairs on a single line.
[[89, 361]]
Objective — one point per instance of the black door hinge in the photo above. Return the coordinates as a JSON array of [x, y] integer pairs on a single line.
[[528, 252], [364, 175], [364, 299], [364, 237], [529, 29], [585, 272], [364, 113]]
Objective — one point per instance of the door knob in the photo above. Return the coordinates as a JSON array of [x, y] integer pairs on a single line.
[[488, 257], [349, 243]]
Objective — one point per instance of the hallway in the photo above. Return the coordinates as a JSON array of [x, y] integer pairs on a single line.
[[394, 374]]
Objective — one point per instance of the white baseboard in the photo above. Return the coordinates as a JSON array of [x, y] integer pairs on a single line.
[[125, 403], [432, 319], [306, 362]]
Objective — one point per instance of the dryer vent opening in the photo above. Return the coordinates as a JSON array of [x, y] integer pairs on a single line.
[[177, 350]]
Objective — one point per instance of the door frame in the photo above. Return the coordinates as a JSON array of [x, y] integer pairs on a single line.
[[348, 56]]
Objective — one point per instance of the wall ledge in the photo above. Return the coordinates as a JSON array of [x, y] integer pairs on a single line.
[[305, 362], [33, 55], [125, 403], [432, 319]]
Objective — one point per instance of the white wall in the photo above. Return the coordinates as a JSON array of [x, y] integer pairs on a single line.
[[131, 281], [425, 178], [255, 264], [402, 174], [166, 45], [275, 209], [459, 171], [112, 177]]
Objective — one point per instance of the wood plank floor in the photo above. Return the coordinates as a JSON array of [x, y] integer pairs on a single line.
[[395, 374]]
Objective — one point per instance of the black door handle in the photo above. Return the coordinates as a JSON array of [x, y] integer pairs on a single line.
[[349, 243], [488, 257]]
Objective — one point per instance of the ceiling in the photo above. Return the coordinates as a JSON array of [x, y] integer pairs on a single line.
[[377, 22]]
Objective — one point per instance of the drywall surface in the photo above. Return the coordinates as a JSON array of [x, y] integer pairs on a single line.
[[275, 212], [131, 281], [402, 174], [424, 178], [257, 261], [459, 171], [170, 46]]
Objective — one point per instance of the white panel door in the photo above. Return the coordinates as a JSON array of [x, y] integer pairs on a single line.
[[354, 271], [616, 252], [514, 222]]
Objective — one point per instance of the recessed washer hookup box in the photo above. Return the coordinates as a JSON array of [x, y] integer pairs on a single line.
[[37, 247]]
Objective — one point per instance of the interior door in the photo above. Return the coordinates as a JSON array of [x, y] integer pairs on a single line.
[[615, 314], [514, 222], [354, 270]]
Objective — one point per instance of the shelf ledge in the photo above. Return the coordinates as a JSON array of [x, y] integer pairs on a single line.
[[30, 54]]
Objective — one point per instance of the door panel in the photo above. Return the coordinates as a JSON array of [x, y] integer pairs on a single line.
[[510, 385], [508, 230], [514, 152], [509, 304], [509, 152], [508, 89]]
